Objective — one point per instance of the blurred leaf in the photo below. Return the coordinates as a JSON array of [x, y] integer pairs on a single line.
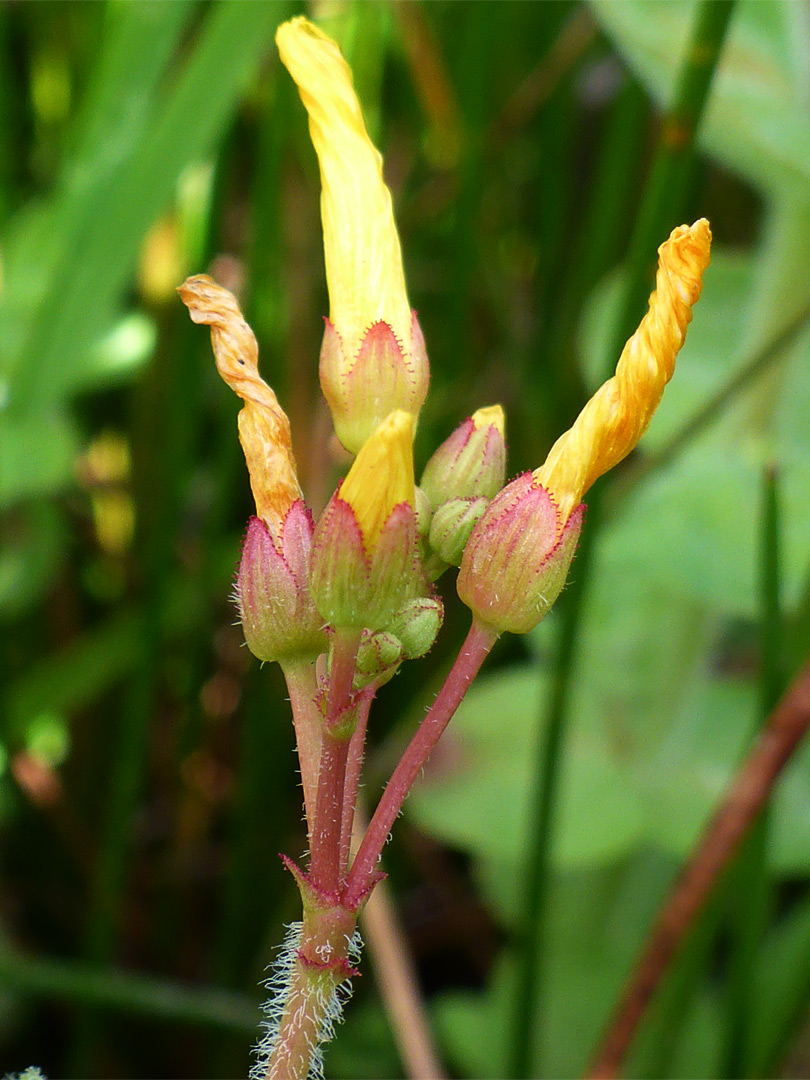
[[365, 1048], [93, 663], [474, 793], [782, 990], [756, 121], [112, 217], [77, 675], [39, 449], [30, 552], [46, 241], [596, 922]]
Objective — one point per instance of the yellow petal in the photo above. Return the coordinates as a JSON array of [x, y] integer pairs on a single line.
[[362, 253], [490, 415], [381, 476], [264, 429], [617, 415]]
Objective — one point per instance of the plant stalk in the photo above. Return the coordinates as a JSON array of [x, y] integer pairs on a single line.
[[319, 964], [354, 767], [326, 872], [302, 684], [474, 651]]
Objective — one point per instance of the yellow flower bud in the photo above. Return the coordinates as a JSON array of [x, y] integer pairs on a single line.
[[618, 414], [264, 429], [373, 360], [381, 476], [365, 564], [490, 416]]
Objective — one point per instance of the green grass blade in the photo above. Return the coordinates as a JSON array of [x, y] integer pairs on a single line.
[[107, 988], [85, 292]]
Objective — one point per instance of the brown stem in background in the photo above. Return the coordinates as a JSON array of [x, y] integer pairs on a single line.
[[396, 976], [744, 800]]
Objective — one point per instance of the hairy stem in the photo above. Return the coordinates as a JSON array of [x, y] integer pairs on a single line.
[[319, 965], [479, 641]]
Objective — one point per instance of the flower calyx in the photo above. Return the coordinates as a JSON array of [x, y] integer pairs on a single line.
[[278, 617], [364, 555], [517, 558]]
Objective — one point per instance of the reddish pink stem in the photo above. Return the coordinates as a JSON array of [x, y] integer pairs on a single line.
[[302, 684], [354, 767], [326, 871], [479, 641]]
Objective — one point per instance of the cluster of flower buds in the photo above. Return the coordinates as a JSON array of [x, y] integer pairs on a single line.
[[367, 565]]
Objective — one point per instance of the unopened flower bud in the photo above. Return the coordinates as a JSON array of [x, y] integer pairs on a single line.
[[364, 386], [278, 617], [424, 512], [416, 625], [451, 526], [373, 358], [471, 462], [364, 554], [378, 658], [517, 558]]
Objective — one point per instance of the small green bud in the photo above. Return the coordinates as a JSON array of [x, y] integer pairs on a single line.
[[451, 527], [416, 625], [378, 658]]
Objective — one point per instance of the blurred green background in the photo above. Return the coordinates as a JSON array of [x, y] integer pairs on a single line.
[[147, 779]]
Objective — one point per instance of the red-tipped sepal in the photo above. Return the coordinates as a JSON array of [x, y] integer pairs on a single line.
[[383, 375], [278, 617], [517, 558], [354, 587]]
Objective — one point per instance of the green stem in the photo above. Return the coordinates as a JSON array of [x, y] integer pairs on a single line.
[[666, 186], [659, 209], [526, 1009], [749, 894]]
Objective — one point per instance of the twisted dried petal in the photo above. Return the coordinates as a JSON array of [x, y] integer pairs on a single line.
[[617, 415], [264, 430]]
